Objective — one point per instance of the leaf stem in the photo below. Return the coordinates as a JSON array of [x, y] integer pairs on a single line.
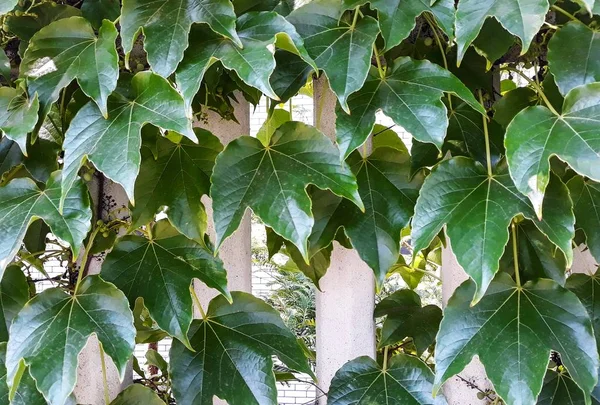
[[85, 257], [513, 229], [442, 50], [385, 358], [537, 87], [104, 381], [378, 59], [488, 153], [355, 19], [197, 302], [427, 273], [565, 13]]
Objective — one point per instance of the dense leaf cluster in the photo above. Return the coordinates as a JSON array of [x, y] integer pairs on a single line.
[[501, 97]]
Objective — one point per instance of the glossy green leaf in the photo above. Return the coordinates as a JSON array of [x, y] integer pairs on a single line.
[[341, 50], [412, 273], [234, 345], [512, 103], [35, 238], [406, 380], [40, 15], [574, 56], [290, 75], [5, 68], [161, 271], [560, 389], [515, 328], [21, 201], [271, 180], [245, 6], [55, 325], [254, 63], [405, 317], [153, 358], [177, 179], [493, 41], [316, 268], [26, 393], [277, 118], [423, 155], [586, 206], [10, 158], [536, 134], [97, 10], [14, 293], [18, 115], [137, 394], [522, 18], [477, 210], [113, 144], [69, 49], [147, 330], [410, 95], [397, 18], [166, 27]]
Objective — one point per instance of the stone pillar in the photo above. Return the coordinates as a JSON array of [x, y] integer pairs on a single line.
[[460, 389], [583, 261], [345, 304], [107, 197]]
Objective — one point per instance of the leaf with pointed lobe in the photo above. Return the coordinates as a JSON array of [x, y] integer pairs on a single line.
[[10, 158], [406, 380], [477, 211], [254, 63], [234, 345], [276, 118], [161, 272], [515, 328], [513, 102], [55, 325], [14, 294], [341, 50], [177, 179], [536, 134], [18, 115], [69, 49], [586, 206], [40, 15], [113, 144], [290, 75], [316, 268], [560, 389], [26, 393], [95, 11], [21, 202], [246, 6], [272, 179], [410, 95], [493, 41]]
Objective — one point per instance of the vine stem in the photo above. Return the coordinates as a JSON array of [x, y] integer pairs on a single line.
[[442, 50], [104, 381], [428, 273], [385, 357], [536, 86], [197, 302], [378, 59], [488, 154], [85, 258], [355, 19], [513, 229], [565, 13]]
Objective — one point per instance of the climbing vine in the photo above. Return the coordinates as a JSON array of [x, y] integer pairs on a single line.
[[501, 97]]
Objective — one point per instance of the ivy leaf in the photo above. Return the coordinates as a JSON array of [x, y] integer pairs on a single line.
[[271, 180], [397, 18], [560, 389], [177, 178], [406, 318], [26, 25], [493, 41], [477, 210], [161, 271], [406, 380], [14, 294], [410, 95], [21, 201], [55, 325], [113, 144], [343, 51], [10, 157], [166, 27], [513, 103], [234, 345], [574, 56], [246, 6], [515, 328], [26, 393], [68, 49], [522, 18], [316, 268], [290, 75], [586, 197], [254, 63], [536, 134], [18, 115], [277, 118], [97, 10], [137, 394]]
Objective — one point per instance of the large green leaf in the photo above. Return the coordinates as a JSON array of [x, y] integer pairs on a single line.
[[410, 95], [55, 325], [161, 271], [177, 178], [397, 18], [26, 393], [574, 56], [515, 328], [478, 209], [234, 345], [18, 115], [245, 6], [166, 27], [113, 144], [26, 25], [69, 49], [536, 134], [290, 75], [137, 394], [97, 10], [341, 49], [254, 63], [405, 317], [406, 380], [513, 102], [14, 293], [272, 179], [21, 202], [586, 205], [560, 389], [522, 18]]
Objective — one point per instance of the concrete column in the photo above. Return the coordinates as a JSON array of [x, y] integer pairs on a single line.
[[583, 261], [108, 197], [345, 304], [460, 389]]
